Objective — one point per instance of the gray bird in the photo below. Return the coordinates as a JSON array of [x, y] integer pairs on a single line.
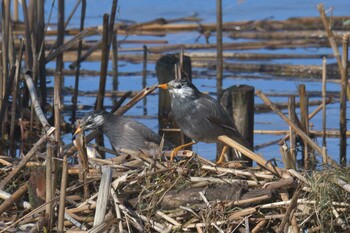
[[199, 116], [122, 132]]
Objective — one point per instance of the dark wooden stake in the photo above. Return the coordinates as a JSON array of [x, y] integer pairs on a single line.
[[14, 101], [239, 103], [304, 120], [41, 47], [219, 61], [103, 75], [104, 64], [165, 73]]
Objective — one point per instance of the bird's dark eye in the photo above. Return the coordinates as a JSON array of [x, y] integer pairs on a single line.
[[178, 86]]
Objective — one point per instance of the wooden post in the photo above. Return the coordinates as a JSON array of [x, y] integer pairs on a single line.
[[239, 103], [165, 73]]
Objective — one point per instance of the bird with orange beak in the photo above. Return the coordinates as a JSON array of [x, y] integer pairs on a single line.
[[199, 116]]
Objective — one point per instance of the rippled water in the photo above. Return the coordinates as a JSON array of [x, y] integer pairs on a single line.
[[140, 11]]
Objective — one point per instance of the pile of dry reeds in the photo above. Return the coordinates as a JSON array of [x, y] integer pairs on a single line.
[[146, 193]]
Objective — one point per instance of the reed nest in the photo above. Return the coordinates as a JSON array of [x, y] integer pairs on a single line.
[[139, 192]]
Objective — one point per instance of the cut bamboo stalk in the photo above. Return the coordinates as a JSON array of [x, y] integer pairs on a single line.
[[295, 128]]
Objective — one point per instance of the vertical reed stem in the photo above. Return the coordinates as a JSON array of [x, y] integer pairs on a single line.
[[28, 40], [324, 110], [62, 205], [77, 71], [344, 81], [292, 117], [14, 100], [219, 61], [104, 64], [144, 78], [115, 61], [304, 122]]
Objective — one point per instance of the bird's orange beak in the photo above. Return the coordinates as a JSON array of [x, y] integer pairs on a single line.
[[77, 131], [163, 86]]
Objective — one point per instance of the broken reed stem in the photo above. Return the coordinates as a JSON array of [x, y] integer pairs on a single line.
[[295, 128], [331, 38], [50, 192], [13, 198], [292, 205], [62, 204], [14, 99], [35, 102], [23, 161], [103, 194], [250, 154], [67, 45]]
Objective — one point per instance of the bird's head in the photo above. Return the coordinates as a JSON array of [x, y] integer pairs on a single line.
[[92, 120], [180, 88]]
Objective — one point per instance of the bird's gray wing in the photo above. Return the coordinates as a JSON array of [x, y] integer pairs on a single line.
[[218, 116]]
